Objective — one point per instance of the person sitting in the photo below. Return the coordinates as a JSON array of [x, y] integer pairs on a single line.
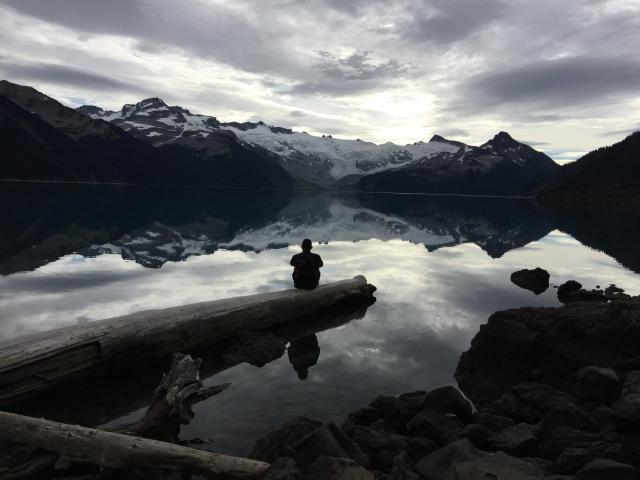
[[306, 267]]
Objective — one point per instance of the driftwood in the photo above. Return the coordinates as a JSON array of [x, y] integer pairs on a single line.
[[117, 451], [102, 399], [170, 407], [39, 362]]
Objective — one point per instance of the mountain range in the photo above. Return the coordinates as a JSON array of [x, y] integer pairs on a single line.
[[150, 142], [501, 165]]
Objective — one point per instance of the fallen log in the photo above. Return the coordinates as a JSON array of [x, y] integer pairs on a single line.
[[77, 444], [170, 407], [39, 362], [105, 398]]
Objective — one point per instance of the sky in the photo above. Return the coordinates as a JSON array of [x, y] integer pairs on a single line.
[[563, 76]]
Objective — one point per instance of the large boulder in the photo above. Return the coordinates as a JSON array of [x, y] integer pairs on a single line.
[[434, 425], [571, 460], [329, 441], [604, 469], [449, 400], [536, 280], [498, 466], [336, 468], [279, 443], [283, 468], [383, 447], [438, 464], [520, 440], [627, 409], [598, 383], [547, 345]]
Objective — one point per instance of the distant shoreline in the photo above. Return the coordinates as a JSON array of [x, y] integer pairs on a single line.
[[294, 189]]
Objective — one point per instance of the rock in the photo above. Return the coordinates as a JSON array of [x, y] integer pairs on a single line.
[[397, 411], [597, 383], [491, 421], [571, 460], [382, 448], [363, 416], [519, 440], [330, 441], [283, 468], [477, 434], [333, 468], [626, 410], [556, 439], [536, 280], [434, 425], [403, 469], [449, 400], [438, 464], [498, 466], [612, 290], [600, 469], [552, 342], [568, 287], [279, 443], [569, 415]]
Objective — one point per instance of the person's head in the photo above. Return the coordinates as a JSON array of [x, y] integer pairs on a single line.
[[306, 245]]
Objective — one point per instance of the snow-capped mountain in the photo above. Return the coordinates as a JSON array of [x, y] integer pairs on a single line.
[[324, 160], [327, 218]]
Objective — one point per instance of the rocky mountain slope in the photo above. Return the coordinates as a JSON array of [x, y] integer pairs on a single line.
[[501, 165], [44, 140]]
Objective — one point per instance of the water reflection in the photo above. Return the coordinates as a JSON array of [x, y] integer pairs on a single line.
[[441, 265], [153, 226]]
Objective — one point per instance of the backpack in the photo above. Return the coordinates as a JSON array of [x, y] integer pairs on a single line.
[[305, 272]]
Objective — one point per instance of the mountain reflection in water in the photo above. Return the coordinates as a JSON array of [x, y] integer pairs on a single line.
[[72, 254]]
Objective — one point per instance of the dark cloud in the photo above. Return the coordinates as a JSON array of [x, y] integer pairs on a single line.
[[357, 72], [63, 75], [114, 16], [441, 22], [297, 114], [219, 32], [556, 83], [625, 132]]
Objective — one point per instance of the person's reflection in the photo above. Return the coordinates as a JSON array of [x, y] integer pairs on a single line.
[[303, 354]]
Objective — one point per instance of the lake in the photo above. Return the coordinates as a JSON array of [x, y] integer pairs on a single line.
[[74, 254]]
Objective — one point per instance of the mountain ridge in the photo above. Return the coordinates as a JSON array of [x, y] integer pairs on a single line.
[[325, 161]]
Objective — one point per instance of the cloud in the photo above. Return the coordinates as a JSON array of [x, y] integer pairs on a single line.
[[62, 74], [356, 72], [442, 22], [559, 73], [559, 82]]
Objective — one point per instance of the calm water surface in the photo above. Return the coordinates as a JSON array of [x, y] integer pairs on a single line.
[[441, 265]]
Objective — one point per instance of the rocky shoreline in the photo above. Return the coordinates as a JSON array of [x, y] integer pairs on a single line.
[[548, 393]]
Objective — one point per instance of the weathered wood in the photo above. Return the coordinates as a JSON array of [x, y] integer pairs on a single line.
[[170, 407], [38, 362], [113, 450], [102, 399]]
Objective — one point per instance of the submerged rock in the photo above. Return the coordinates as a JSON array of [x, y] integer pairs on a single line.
[[536, 280]]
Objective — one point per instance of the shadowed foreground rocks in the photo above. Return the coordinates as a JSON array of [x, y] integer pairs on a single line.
[[556, 393]]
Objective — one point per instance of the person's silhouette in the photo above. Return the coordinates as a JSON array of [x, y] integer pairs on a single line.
[[306, 267], [304, 353]]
